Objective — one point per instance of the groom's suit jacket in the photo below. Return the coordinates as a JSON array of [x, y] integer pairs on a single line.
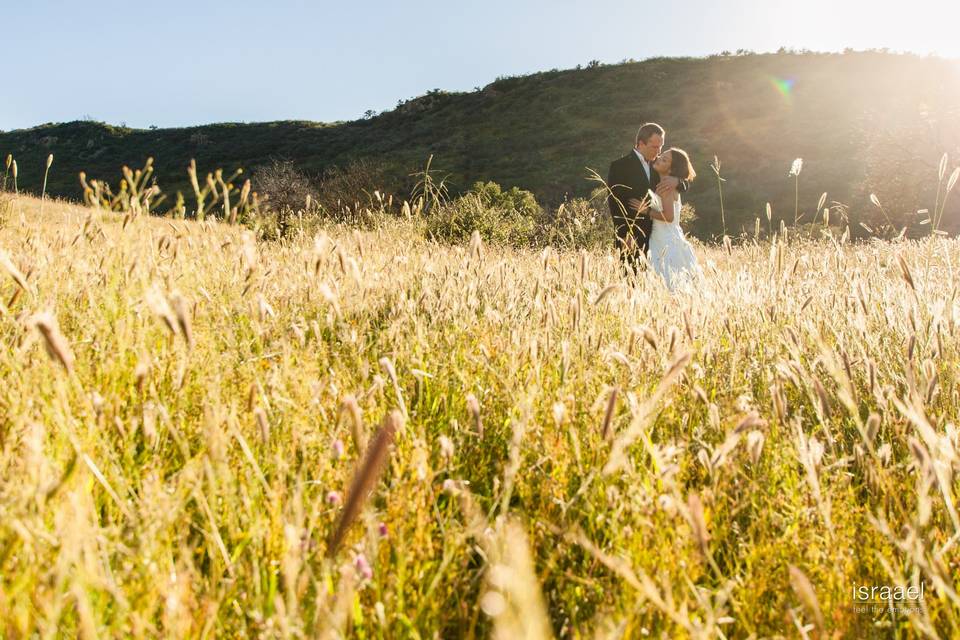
[[627, 180]]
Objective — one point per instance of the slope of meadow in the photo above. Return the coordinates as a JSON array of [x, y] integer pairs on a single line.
[[182, 410]]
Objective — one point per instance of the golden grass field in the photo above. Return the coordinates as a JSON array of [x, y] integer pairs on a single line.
[[182, 411]]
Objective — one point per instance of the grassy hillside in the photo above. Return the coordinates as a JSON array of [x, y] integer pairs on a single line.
[[182, 411], [862, 122]]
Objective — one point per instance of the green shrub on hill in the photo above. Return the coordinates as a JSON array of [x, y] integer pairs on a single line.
[[503, 217], [513, 200]]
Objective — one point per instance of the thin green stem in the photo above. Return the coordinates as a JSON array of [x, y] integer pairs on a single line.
[[796, 199], [936, 206], [723, 218]]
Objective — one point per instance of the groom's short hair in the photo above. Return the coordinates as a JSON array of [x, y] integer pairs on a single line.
[[647, 131]]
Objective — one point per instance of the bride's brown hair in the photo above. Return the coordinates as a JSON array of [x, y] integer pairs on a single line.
[[680, 165]]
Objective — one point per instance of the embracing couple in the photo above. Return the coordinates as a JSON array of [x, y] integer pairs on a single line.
[[644, 200]]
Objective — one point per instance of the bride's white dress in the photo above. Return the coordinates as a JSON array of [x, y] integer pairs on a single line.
[[670, 253]]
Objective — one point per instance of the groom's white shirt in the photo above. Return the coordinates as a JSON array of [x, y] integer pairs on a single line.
[[646, 165]]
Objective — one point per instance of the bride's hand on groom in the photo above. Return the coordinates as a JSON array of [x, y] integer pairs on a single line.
[[640, 206], [666, 184]]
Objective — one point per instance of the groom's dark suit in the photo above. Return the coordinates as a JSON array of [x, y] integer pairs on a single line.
[[627, 179]]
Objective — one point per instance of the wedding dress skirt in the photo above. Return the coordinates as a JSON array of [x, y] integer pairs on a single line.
[[670, 254]]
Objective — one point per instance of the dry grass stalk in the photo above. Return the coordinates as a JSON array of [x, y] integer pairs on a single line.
[[607, 430], [13, 271], [637, 579], [349, 406], [755, 440], [160, 306], [808, 596], [698, 523], [476, 247], [513, 598], [387, 365], [640, 420]]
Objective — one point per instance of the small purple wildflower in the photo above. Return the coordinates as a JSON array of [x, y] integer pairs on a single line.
[[363, 567]]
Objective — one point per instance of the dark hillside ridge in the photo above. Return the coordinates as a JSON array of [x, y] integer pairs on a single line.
[[863, 122]]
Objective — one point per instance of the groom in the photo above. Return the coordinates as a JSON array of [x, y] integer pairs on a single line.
[[629, 179]]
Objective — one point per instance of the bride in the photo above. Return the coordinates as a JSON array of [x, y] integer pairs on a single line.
[[670, 253]]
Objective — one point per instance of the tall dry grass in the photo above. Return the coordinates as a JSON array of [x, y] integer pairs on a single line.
[[183, 411]]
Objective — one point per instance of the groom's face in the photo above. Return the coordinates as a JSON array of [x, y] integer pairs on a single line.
[[651, 148]]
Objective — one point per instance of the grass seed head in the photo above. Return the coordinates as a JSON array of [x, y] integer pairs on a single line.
[[698, 522], [905, 271], [607, 430], [873, 427], [262, 424], [350, 407], [365, 477], [182, 313], [12, 270], [56, 344], [140, 373], [755, 440], [804, 589], [473, 408]]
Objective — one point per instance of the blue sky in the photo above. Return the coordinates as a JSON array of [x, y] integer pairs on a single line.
[[177, 63]]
